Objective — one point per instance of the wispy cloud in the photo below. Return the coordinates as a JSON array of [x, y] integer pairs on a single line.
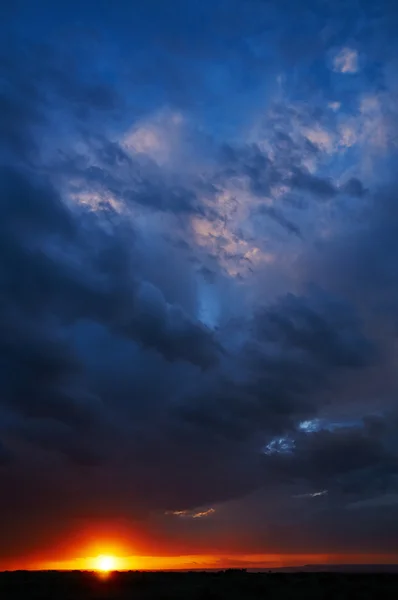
[[312, 494], [189, 514], [383, 501], [346, 61]]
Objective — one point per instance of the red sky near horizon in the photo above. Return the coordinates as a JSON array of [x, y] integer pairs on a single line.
[[82, 551]]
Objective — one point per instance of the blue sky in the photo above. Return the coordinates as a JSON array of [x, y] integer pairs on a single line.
[[199, 239]]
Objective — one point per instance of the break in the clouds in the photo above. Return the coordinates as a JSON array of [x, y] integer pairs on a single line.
[[198, 277]]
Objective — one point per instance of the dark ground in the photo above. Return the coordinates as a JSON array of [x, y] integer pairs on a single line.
[[76, 585]]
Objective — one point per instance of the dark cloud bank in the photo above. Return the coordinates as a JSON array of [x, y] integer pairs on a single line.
[[117, 399]]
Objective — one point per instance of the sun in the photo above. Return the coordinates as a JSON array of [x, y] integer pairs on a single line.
[[105, 563]]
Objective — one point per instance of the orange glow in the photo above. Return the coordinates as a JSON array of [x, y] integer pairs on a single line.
[[107, 547], [104, 564]]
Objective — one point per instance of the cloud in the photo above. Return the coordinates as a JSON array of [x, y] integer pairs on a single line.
[[318, 325], [303, 180], [274, 214], [354, 187], [263, 173], [191, 514], [294, 349], [142, 312], [313, 494], [386, 500], [346, 61]]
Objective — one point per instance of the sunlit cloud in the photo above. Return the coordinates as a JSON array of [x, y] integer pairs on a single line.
[[157, 137], [335, 106], [310, 425], [95, 201], [280, 445], [189, 514], [348, 136], [312, 494], [346, 61], [321, 138]]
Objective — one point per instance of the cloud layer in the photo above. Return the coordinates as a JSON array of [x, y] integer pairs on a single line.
[[198, 286]]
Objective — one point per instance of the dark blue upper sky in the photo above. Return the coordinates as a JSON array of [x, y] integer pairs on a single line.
[[199, 285]]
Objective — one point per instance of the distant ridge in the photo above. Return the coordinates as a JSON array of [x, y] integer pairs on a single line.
[[335, 568]]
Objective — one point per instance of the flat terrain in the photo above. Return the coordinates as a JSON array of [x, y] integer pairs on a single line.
[[76, 585]]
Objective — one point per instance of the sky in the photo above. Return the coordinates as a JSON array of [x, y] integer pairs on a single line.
[[198, 282]]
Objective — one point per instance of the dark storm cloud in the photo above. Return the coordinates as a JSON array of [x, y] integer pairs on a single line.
[[90, 276], [279, 218], [16, 118], [54, 435], [294, 350], [61, 270], [318, 325], [354, 187], [360, 265], [263, 173], [322, 456], [253, 164], [134, 180], [44, 379], [41, 82], [303, 180]]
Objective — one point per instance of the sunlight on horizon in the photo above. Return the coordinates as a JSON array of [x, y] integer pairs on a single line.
[[105, 564]]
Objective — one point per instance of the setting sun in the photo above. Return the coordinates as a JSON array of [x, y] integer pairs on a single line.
[[105, 563]]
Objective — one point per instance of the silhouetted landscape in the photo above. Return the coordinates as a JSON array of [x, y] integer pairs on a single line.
[[229, 584]]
